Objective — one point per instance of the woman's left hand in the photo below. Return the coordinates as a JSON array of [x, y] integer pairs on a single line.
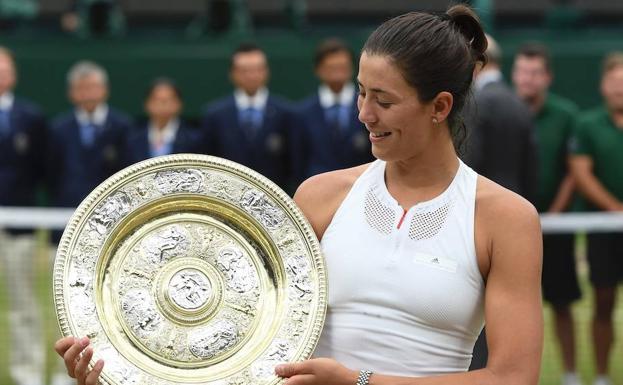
[[319, 371]]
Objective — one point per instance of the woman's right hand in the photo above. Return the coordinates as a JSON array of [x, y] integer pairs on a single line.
[[70, 348]]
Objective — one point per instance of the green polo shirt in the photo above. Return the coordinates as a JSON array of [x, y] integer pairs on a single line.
[[554, 125], [596, 135]]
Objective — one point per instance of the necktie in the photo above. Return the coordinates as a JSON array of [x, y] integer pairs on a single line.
[[250, 120], [87, 134], [334, 119]]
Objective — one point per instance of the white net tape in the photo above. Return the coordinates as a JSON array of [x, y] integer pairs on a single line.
[[57, 218]]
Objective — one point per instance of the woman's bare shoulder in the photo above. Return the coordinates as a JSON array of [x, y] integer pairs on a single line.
[[505, 224], [501, 212], [494, 201], [320, 196]]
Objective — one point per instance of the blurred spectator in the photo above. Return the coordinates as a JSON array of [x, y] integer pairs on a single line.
[[554, 118], [597, 165], [252, 126], [85, 144], [333, 136], [501, 143], [164, 132], [93, 18], [501, 135], [22, 141], [84, 148]]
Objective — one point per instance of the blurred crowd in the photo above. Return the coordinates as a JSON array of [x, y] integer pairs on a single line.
[[518, 134]]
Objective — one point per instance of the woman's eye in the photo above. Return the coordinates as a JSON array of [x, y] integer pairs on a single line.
[[384, 104]]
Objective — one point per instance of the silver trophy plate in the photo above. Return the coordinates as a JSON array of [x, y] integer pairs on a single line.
[[190, 269]]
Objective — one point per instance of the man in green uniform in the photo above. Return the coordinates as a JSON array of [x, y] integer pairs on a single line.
[[554, 118], [597, 166]]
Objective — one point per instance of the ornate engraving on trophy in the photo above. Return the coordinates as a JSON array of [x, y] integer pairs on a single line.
[[180, 180], [298, 319], [140, 312], [213, 340], [165, 244], [239, 273], [299, 270], [223, 187], [190, 289], [109, 212], [262, 209]]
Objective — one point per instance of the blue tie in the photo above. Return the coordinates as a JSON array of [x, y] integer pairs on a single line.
[[334, 117], [5, 125], [87, 134], [250, 119]]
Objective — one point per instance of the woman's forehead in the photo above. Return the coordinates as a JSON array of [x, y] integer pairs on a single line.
[[379, 73]]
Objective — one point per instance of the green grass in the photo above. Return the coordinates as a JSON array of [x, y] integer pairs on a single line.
[[551, 367]]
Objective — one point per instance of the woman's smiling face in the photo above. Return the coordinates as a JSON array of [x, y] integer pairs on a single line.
[[400, 125]]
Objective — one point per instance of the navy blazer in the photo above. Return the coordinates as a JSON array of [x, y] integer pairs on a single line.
[[187, 140], [21, 161], [75, 170], [267, 152], [321, 149]]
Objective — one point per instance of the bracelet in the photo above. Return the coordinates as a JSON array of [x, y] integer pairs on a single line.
[[364, 377]]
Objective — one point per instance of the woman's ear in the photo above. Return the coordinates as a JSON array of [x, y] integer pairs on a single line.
[[442, 105]]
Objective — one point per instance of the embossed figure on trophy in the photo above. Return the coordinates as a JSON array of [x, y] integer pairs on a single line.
[[222, 187], [82, 291], [158, 245], [110, 211], [299, 268], [190, 289], [208, 239], [179, 181], [213, 340], [258, 205], [237, 269], [139, 311], [281, 352]]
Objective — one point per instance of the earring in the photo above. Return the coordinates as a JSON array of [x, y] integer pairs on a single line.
[[435, 121]]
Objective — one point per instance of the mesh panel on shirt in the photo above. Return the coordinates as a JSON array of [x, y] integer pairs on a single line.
[[379, 217], [427, 225]]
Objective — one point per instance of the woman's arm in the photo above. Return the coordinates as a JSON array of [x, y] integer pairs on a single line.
[[508, 231]]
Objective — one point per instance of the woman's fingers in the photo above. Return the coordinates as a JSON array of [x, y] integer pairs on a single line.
[[82, 368], [63, 344], [71, 355], [95, 373]]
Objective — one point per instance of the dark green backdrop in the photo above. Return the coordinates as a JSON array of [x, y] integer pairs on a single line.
[[200, 66]]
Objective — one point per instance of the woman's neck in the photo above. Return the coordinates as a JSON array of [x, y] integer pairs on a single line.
[[422, 177]]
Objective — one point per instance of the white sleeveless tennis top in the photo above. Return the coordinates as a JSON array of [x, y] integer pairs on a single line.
[[406, 296]]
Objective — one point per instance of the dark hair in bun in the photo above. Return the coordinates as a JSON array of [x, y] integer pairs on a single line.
[[435, 53]]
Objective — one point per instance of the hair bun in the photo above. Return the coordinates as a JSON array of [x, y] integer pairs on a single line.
[[468, 23]]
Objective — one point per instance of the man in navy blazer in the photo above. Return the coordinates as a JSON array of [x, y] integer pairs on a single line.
[[332, 135], [22, 141], [85, 145], [164, 132], [252, 126]]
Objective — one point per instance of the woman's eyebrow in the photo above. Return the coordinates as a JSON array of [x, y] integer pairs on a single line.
[[377, 90]]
